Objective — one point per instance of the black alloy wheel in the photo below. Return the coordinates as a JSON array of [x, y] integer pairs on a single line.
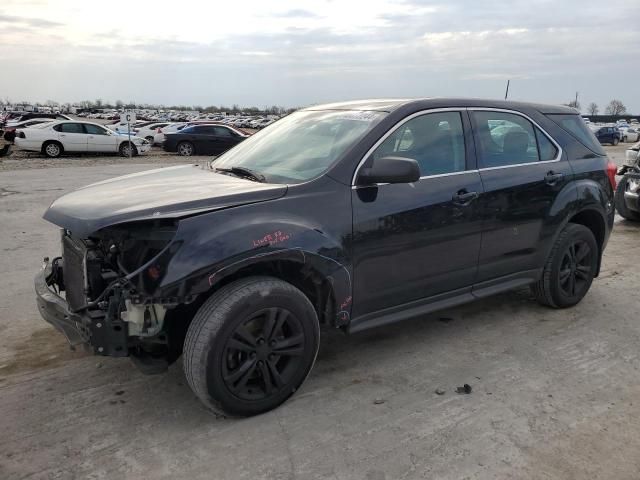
[[251, 345], [575, 269], [262, 354], [570, 268]]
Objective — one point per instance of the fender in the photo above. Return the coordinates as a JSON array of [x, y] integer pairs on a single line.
[[588, 196], [210, 247]]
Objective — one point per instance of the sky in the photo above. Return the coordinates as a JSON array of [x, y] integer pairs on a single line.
[[295, 53]]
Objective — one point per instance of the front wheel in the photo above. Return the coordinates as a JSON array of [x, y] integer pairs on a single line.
[[128, 150], [621, 206], [250, 346], [570, 269]]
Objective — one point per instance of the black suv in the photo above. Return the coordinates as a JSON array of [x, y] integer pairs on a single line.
[[349, 215]]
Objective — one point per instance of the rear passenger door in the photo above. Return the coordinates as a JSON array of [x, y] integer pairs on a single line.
[[72, 137], [522, 172]]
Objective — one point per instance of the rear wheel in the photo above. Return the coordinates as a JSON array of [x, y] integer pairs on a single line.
[[186, 149], [621, 206], [128, 149], [615, 141], [250, 346], [52, 149], [570, 269], [4, 150]]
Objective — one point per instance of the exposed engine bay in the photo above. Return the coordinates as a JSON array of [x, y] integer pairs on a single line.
[[108, 281]]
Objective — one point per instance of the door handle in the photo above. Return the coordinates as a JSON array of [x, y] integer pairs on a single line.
[[62, 135], [464, 198], [551, 178]]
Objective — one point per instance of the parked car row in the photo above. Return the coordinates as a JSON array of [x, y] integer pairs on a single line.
[[236, 120], [614, 133]]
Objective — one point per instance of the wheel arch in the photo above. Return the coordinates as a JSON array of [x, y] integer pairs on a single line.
[[324, 281]]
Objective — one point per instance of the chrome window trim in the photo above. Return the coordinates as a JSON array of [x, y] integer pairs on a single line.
[[457, 109], [462, 172]]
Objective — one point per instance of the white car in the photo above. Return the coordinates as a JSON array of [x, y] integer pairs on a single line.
[[55, 138], [158, 138], [629, 134], [150, 131]]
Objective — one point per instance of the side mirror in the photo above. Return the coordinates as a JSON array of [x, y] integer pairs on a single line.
[[390, 170]]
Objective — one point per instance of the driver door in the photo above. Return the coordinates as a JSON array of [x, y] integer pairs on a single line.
[[99, 139], [419, 240]]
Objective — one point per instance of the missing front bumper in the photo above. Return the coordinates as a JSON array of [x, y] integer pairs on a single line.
[[92, 328]]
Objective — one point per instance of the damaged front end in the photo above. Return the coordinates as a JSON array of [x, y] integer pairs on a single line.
[[102, 291]]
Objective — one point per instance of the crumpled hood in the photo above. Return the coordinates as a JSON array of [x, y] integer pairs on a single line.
[[171, 192]]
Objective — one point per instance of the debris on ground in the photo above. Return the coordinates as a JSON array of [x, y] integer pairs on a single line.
[[379, 401], [466, 388], [439, 391]]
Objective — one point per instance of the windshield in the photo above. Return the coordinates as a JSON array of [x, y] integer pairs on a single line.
[[300, 146]]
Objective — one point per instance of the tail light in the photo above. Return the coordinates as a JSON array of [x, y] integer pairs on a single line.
[[612, 169]]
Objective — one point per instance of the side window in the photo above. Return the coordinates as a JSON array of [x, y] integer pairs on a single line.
[[222, 132], [504, 139], [71, 128], [548, 151], [434, 140], [94, 129]]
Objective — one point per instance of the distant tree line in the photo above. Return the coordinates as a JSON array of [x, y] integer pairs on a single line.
[[614, 108], [100, 104]]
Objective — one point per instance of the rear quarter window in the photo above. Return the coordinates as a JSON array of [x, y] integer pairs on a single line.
[[575, 126]]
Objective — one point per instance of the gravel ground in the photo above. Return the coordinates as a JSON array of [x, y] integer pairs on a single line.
[[555, 393], [20, 160]]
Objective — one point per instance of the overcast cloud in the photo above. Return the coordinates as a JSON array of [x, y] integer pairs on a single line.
[[295, 53]]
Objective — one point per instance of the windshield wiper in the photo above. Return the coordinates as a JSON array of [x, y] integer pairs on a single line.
[[244, 172]]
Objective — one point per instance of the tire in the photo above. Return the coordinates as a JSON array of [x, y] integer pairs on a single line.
[[560, 272], [621, 206], [625, 139], [52, 149], [615, 142], [4, 151], [238, 339], [186, 149], [124, 149]]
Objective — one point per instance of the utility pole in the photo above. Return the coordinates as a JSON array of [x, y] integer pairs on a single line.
[[506, 93]]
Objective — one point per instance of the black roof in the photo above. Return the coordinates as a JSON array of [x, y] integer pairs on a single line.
[[389, 105]]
